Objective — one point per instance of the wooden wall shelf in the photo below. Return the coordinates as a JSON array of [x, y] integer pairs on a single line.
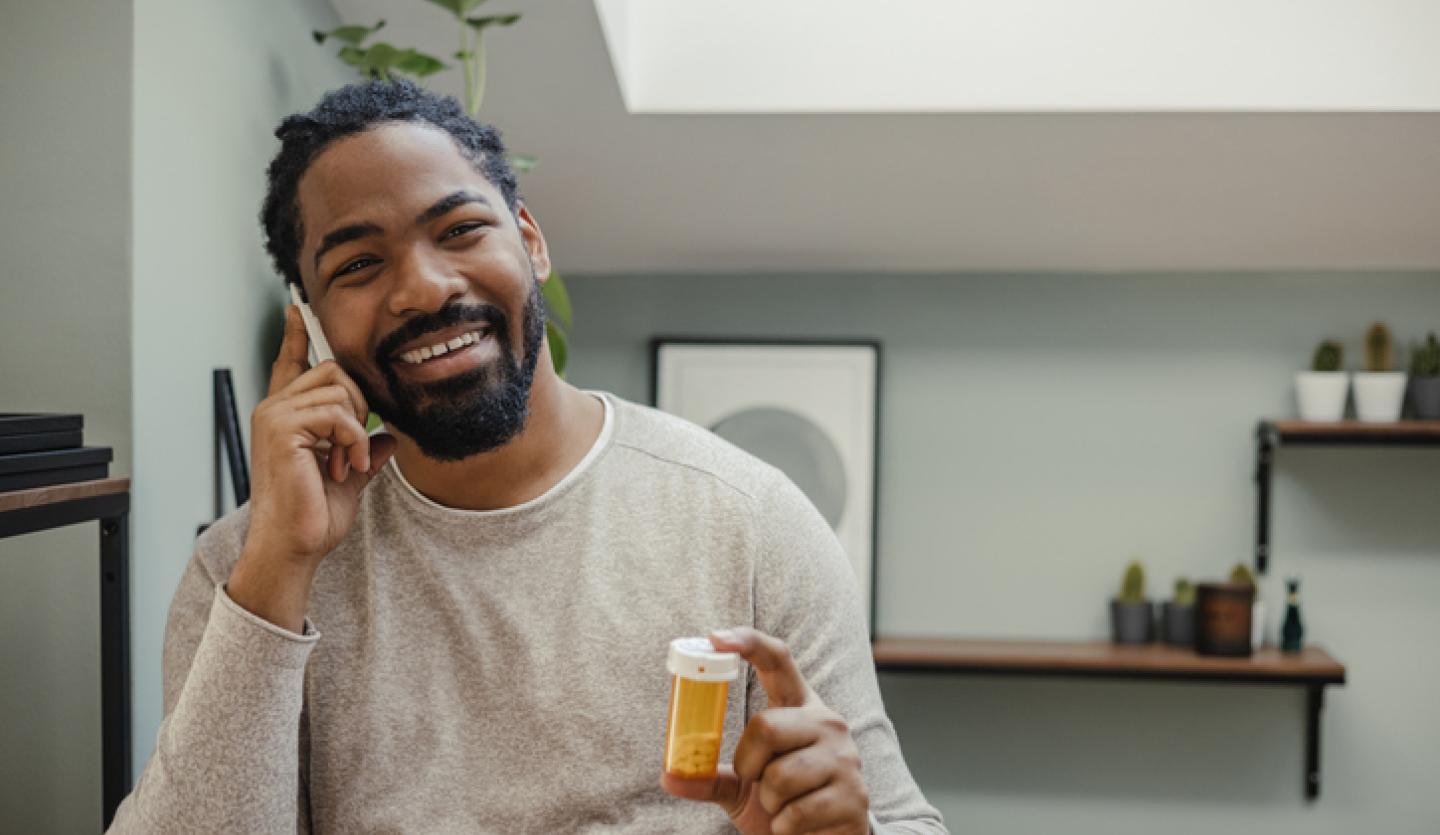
[[1404, 432], [1312, 668], [1103, 659]]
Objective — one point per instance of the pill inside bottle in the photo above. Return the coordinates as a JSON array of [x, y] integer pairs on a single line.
[[699, 690]]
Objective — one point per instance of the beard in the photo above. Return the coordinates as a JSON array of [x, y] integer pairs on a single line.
[[472, 412]]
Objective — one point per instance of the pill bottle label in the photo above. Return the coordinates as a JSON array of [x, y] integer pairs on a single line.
[[697, 718]]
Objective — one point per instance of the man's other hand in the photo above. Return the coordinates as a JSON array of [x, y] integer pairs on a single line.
[[796, 768]]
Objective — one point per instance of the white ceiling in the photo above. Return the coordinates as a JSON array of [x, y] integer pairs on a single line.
[[617, 192]]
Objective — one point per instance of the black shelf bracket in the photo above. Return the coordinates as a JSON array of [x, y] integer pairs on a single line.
[[1266, 440], [1314, 703], [1269, 435]]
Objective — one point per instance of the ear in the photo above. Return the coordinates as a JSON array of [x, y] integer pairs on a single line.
[[534, 241]]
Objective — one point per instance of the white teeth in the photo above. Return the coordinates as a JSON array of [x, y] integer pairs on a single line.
[[419, 355]]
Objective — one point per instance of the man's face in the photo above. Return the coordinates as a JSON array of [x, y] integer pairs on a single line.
[[426, 284]]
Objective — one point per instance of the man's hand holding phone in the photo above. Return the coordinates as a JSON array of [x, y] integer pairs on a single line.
[[310, 460]]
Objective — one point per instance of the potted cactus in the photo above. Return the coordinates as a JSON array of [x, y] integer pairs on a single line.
[[1425, 379], [1321, 390], [1380, 388], [1178, 615], [1132, 616]]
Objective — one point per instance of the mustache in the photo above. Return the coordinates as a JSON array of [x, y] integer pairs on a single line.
[[446, 317]]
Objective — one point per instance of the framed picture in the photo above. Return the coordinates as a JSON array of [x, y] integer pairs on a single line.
[[810, 408]]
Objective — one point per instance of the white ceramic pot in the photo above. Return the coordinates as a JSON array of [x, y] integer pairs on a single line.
[[1257, 625], [1321, 394], [1379, 395]]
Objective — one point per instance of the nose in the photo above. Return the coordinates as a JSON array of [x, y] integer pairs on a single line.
[[423, 285]]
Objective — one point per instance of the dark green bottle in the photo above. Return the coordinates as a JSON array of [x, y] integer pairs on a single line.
[[1292, 631]]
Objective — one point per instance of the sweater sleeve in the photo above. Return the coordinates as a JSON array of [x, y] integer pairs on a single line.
[[806, 595], [227, 756]]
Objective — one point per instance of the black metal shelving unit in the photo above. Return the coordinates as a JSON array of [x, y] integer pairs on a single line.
[[106, 501]]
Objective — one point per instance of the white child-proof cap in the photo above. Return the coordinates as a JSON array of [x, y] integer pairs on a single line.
[[698, 660]]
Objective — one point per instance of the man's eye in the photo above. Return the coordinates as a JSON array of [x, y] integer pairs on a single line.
[[357, 264], [460, 229]]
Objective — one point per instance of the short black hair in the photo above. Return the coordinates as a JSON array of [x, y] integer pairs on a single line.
[[353, 109]]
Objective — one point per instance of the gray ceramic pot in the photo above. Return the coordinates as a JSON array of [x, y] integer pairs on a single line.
[[1132, 623], [1425, 397], [1179, 622]]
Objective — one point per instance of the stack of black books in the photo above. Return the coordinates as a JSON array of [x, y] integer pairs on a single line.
[[44, 450]]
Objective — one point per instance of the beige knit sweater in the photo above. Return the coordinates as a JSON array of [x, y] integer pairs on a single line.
[[504, 671]]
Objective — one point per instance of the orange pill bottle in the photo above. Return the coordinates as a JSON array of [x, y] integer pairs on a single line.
[[699, 692]]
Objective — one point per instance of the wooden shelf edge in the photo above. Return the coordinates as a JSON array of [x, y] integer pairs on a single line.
[[1354, 428], [1313, 665], [57, 493]]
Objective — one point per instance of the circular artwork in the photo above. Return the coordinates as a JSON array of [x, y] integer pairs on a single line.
[[798, 447]]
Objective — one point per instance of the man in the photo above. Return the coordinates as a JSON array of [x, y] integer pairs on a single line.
[[498, 578]]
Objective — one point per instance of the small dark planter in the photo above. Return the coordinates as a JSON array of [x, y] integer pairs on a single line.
[[1179, 624], [1132, 623], [1222, 618], [1425, 397]]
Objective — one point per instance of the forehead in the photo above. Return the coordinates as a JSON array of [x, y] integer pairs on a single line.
[[397, 168]]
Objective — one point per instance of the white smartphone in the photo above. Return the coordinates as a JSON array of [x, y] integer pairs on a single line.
[[319, 348]]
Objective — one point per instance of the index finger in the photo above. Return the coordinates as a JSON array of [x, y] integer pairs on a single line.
[[784, 686], [294, 351]]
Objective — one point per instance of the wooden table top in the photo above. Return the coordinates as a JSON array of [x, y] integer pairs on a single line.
[[1101, 658], [57, 493]]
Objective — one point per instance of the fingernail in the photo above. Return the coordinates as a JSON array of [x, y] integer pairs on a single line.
[[366, 468], [726, 635]]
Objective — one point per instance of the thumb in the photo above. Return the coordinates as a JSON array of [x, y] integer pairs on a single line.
[[723, 789], [294, 352]]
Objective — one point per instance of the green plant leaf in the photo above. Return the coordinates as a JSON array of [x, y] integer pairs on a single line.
[[557, 300], [524, 163], [353, 55], [478, 23], [353, 35], [559, 351], [379, 58], [459, 8], [418, 64]]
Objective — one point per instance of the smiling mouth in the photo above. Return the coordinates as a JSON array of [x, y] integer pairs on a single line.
[[419, 356]]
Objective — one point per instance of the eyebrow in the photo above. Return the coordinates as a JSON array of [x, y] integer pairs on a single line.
[[355, 231]]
